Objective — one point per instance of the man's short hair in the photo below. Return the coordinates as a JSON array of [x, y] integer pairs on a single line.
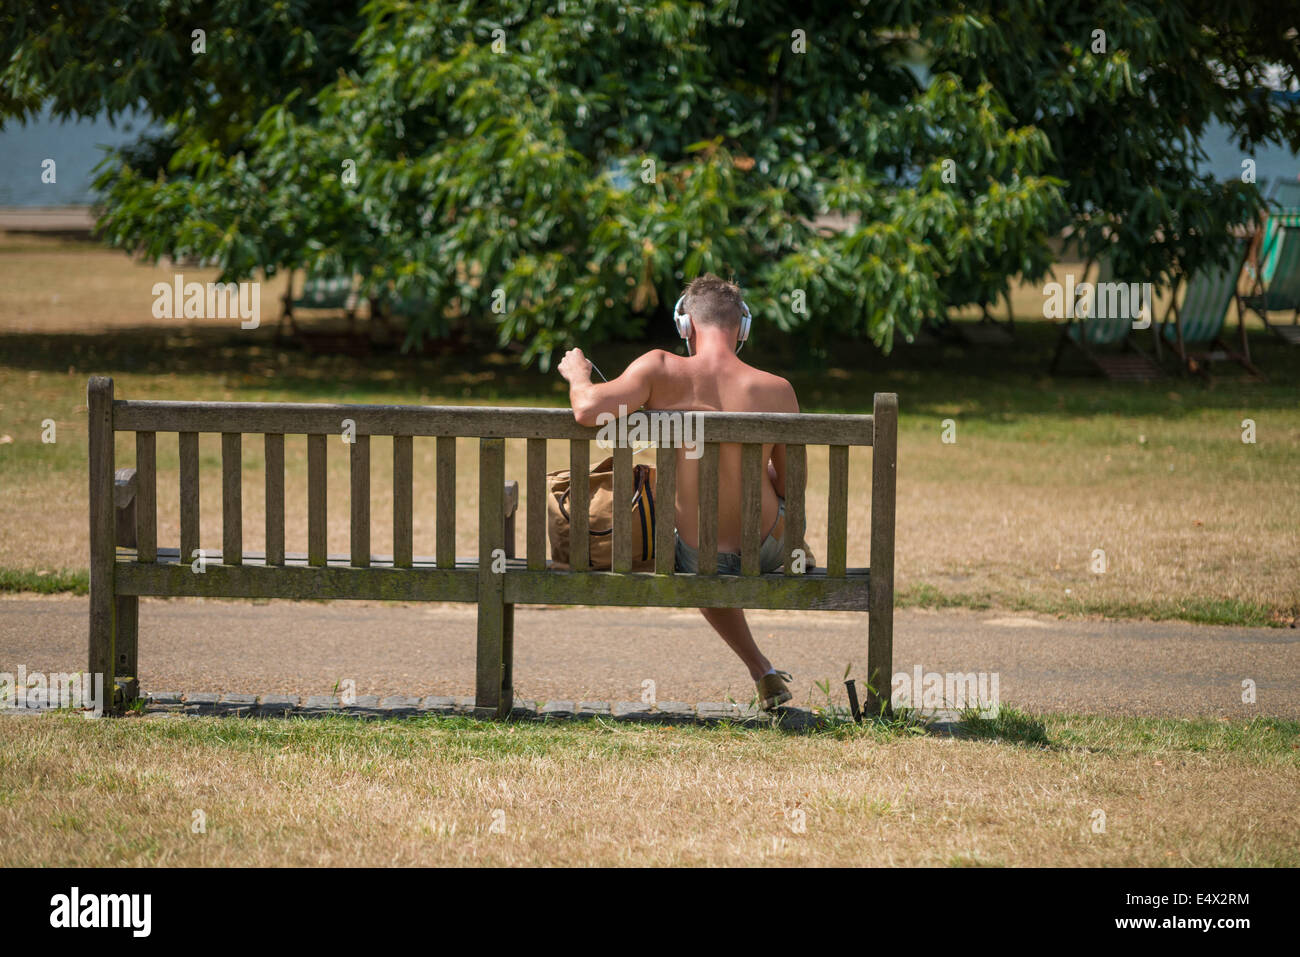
[[712, 301]]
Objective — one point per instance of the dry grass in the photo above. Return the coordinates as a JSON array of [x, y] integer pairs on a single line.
[[424, 792], [58, 285]]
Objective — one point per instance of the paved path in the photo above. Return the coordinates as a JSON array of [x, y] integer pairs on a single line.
[[1044, 664], [47, 219]]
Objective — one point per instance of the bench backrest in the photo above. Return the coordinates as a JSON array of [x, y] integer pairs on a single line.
[[492, 426]]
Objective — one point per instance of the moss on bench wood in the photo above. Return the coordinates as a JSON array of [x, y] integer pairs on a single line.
[[804, 592], [299, 581]]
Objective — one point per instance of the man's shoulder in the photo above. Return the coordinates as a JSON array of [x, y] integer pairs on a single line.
[[769, 383], [768, 392], [654, 359], [658, 369]]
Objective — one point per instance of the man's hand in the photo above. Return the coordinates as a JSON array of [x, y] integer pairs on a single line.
[[575, 367]]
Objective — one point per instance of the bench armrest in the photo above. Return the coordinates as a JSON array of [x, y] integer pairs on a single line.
[[511, 506], [124, 485]]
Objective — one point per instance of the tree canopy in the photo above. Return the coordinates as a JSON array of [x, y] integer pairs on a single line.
[[558, 169]]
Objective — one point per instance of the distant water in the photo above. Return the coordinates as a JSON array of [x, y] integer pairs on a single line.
[[1224, 159], [76, 147]]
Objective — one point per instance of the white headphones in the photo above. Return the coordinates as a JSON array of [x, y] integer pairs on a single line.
[[682, 320]]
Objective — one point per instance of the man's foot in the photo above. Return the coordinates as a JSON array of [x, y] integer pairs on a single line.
[[772, 690]]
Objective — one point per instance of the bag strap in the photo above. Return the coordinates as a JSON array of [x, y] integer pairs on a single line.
[[646, 496]]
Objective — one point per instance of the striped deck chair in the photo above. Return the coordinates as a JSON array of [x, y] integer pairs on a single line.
[[1093, 335], [1283, 201], [319, 292], [1276, 284], [1200, 319]]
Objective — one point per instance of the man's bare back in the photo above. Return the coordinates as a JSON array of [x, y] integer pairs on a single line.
[[720, 383], [711, 378], [712, 381]]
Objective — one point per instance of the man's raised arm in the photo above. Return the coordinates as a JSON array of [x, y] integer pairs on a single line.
[[589, 399]]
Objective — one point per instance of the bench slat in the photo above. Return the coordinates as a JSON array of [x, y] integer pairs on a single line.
[[360, 467], [536, 492], [665, 509], [837, 512], [446, 476], [403, 497], [796, 488], [273, 447], [708, 537], [579, 503], [232, 507], [299, 580], [427, 583], [146, 496], [317, 489], [188, 443], [299, 418], [624, 530], [814, 591], [751, 506]]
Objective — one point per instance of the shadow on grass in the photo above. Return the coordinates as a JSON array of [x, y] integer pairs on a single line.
[[1009, 727], [796, 722]]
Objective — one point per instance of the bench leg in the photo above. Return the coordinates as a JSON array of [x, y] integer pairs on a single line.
[[125, 672], [880, 584], [100, 661], [99, 401], [508, 658], [491, 671], [511, 493]]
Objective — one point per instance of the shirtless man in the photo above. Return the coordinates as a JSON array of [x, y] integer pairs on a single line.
[[711, 378]]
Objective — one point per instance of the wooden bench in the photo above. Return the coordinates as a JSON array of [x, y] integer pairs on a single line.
[[126, 561]]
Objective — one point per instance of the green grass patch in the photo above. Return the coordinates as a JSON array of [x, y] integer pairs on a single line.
[[45, 581], [1201, 611]]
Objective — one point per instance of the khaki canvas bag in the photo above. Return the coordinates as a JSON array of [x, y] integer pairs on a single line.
[[600, 517]]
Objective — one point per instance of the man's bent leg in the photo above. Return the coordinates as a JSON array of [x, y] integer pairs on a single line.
[[731, 625]]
